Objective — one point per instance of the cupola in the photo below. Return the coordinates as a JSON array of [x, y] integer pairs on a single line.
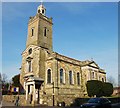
[[41, 9]]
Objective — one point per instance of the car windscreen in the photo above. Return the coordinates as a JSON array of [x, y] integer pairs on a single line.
[[93, 100]]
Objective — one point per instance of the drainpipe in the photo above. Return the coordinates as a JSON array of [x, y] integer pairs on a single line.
[[53, 95]]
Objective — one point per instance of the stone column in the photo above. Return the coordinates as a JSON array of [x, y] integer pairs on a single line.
[[26, 92], [38, 99], [34, 94]]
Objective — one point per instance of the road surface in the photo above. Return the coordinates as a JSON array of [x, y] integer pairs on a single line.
[[11, 105]]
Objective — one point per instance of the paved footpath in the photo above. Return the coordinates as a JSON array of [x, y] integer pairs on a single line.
[[7, 103], [11, 105]]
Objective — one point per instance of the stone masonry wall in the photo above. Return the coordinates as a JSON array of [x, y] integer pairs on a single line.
[[12, 98]]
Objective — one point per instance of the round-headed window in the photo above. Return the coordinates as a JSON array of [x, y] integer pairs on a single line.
[[39, 11], [30, 51]]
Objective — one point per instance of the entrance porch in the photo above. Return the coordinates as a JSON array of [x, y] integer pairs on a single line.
[[32, 88]]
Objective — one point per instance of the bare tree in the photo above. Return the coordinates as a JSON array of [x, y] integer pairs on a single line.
[[4, 78], [112, 80], [4, 83]]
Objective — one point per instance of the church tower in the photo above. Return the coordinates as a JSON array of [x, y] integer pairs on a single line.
[[38, 44], [40, 30]]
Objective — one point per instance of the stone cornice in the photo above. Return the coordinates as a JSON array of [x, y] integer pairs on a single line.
[[40, 16], [66, 59]]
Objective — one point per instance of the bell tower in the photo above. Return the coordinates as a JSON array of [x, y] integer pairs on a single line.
[[40, 29], [38, 44]]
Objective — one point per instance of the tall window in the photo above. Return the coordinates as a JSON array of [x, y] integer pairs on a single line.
[[93, 75], [99, 77], [32, 31], [96, 75], [78, 78], [70, 77], [61, 76], [45, 31], [49, 76], [102, 79], [42, 11], [29, 66], [39, 11]]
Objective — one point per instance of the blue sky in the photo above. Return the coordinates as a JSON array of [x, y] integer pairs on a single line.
[[81, 31]]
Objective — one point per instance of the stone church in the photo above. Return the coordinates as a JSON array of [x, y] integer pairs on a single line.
[[48, 77]]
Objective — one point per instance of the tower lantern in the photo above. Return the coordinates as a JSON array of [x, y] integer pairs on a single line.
[[41, 9]]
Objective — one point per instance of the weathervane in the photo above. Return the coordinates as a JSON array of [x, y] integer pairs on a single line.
[[41, 2]]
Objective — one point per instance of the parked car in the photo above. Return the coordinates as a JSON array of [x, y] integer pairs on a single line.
[[97, 103]]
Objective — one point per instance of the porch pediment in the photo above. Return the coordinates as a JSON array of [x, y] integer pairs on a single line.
[[38, 79], [93, 64]]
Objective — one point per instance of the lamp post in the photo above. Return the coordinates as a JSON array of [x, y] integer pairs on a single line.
[[53, 93]]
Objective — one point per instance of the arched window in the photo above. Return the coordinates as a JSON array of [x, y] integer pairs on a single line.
[[70, 77], [43, 11], [45, 31], [99, 78], [78, 78], [39, 11], [102, 79], [93, 76], [32, 31], [48, 76], [61, 76], [29, 66]]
